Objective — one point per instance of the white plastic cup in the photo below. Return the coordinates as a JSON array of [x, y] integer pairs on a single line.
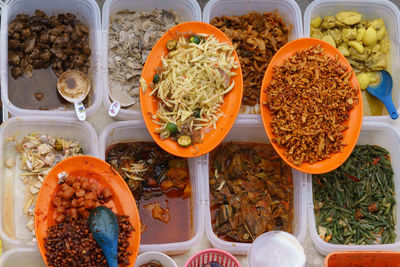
[[276, 248]]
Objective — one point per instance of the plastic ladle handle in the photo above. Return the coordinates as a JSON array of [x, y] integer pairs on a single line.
[[388, 102], [80, 111]]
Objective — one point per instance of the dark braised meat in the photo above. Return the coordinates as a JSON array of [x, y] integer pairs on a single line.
[[251, 191], [36, 42], [256, 38]]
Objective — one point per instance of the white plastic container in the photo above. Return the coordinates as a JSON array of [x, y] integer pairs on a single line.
[[289, 10], [155, 256], [188, 9], [370, 9], [372, 133], [19, 257], [13, 231], [135, 131], [89, 13], [250, 131]]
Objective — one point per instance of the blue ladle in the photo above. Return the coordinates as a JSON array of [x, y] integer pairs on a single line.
[[104, 226], [383, 91]]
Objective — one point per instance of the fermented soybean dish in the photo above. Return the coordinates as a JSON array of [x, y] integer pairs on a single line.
[[251, 191], [160, 183], [355, 203], [190, 85], [364, 43]]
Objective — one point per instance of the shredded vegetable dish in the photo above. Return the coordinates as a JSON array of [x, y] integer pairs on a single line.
[[191, 85]]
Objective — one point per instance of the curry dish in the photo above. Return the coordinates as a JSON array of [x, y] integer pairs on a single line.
[[251, 191]]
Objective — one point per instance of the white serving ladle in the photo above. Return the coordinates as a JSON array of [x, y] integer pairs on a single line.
[[120, 99], [74, 86]]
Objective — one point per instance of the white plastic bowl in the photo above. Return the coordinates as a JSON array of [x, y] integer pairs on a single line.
[[88, 12], [370, 9], [372, 133], [276, 248], [13, 232], [135, 131], [154, 255], [252, 131], [188, 9]]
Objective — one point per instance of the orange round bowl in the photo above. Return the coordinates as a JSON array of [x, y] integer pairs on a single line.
[[149, 104], [350, 136], [99, 172]]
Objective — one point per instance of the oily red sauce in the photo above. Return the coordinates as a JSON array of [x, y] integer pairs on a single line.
[[149, 191]]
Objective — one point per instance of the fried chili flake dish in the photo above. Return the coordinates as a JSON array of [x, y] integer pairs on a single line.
[[310, 97], [191, 85]]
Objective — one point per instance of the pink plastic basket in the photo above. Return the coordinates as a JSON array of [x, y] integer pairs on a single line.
[[205, 256]]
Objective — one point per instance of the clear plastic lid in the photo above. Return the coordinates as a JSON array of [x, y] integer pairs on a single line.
[[276, 248]]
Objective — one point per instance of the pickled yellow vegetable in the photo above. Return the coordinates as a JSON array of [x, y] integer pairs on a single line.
[[363, 80], [349, 34], [370, 37], [364, 43], [360, 34], [343, 49], [357, 46], [329, 39], [316, 22], [349, 17]]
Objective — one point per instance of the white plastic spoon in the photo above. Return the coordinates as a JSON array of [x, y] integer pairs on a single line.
[[120, 99], [74, 86]]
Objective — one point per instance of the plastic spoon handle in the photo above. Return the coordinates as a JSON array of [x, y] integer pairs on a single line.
[[114, 109], [80, 111], [388, 102]]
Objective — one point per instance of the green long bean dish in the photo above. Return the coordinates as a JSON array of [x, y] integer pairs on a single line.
[[354, 204]]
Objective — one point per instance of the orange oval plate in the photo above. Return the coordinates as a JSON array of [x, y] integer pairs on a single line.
[[149, 104], [100, 172], [355, 115]]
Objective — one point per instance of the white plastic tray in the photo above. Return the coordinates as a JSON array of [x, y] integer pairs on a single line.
[[12, 188], [188, 9], [370, 9], [249, 131], [88, 12], [287, 9], [19, 257], [131, 131], [372, 133]]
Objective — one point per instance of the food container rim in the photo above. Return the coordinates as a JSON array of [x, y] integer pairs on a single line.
[[96, 57], [378, 3], [168, 248], [9, 253], [324, 247], [126, 114]]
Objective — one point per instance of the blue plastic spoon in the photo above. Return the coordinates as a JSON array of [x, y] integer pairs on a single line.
[[383, 91], [104, 226]]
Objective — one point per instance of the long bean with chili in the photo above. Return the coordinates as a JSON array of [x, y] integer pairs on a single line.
[[354, 203]]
